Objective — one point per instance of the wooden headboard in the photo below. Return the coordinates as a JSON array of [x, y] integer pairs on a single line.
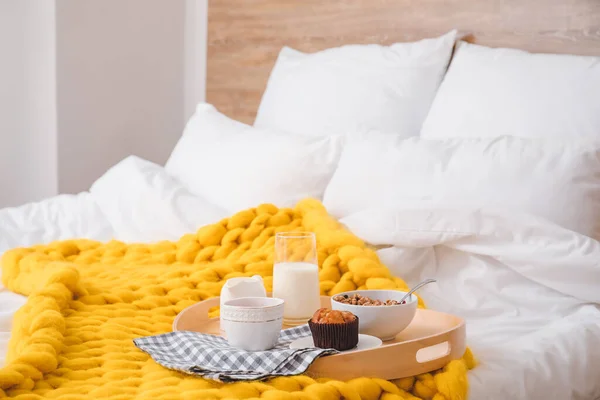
[[245, 36]]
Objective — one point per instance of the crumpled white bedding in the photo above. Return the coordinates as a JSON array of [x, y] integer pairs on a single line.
[[134, 201], [145, 204], [528, 289]]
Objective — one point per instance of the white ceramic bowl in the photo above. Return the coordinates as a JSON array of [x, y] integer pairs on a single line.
[[252, 323], [385, 322]]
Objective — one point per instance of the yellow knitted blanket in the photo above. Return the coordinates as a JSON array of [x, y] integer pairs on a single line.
[[88, 300]]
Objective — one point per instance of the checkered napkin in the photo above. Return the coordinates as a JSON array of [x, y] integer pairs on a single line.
[[212, 357]]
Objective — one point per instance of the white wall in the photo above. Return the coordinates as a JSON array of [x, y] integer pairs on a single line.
[[120, 84], [28, 170], [90, 83], [195, 45]]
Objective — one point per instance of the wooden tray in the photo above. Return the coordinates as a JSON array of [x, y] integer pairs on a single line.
[[430, 341]]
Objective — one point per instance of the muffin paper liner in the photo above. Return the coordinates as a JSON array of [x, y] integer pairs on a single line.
[[335, 336]]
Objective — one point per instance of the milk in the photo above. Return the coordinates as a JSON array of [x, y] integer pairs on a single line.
[[297, 283]]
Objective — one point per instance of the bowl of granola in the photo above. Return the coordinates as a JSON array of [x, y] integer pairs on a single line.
[[379, 311]]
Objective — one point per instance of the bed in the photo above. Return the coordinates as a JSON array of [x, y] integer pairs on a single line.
[[518, 261]]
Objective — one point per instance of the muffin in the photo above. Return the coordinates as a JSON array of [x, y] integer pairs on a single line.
[[333, 329]]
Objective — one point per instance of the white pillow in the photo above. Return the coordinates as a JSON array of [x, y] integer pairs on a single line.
[[553, 179], [355, 88], [236, 166], [492, 92]]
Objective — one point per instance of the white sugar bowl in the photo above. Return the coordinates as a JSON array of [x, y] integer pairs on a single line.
[[252, 323]]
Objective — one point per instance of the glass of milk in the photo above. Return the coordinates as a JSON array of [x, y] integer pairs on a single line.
[[296, 276]]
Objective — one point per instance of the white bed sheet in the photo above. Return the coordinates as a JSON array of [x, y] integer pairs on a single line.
[[528, 289], [57, 218]]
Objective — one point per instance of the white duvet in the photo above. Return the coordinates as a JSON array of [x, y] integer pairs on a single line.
[[528, 289]]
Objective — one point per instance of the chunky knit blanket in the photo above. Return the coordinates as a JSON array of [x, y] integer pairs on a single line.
[[88, 300]]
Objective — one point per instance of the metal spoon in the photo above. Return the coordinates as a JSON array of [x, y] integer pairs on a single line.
[[418, 286]]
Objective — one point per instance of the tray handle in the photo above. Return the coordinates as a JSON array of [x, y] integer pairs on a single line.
[[431, 353], [437, 350], [393, 361]]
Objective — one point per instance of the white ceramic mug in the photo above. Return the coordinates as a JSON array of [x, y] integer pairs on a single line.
[[252, 323]]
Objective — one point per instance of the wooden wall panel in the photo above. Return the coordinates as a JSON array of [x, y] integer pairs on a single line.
[[245, 36]]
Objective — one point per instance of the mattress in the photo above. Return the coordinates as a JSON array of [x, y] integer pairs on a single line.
[[525, 286]]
